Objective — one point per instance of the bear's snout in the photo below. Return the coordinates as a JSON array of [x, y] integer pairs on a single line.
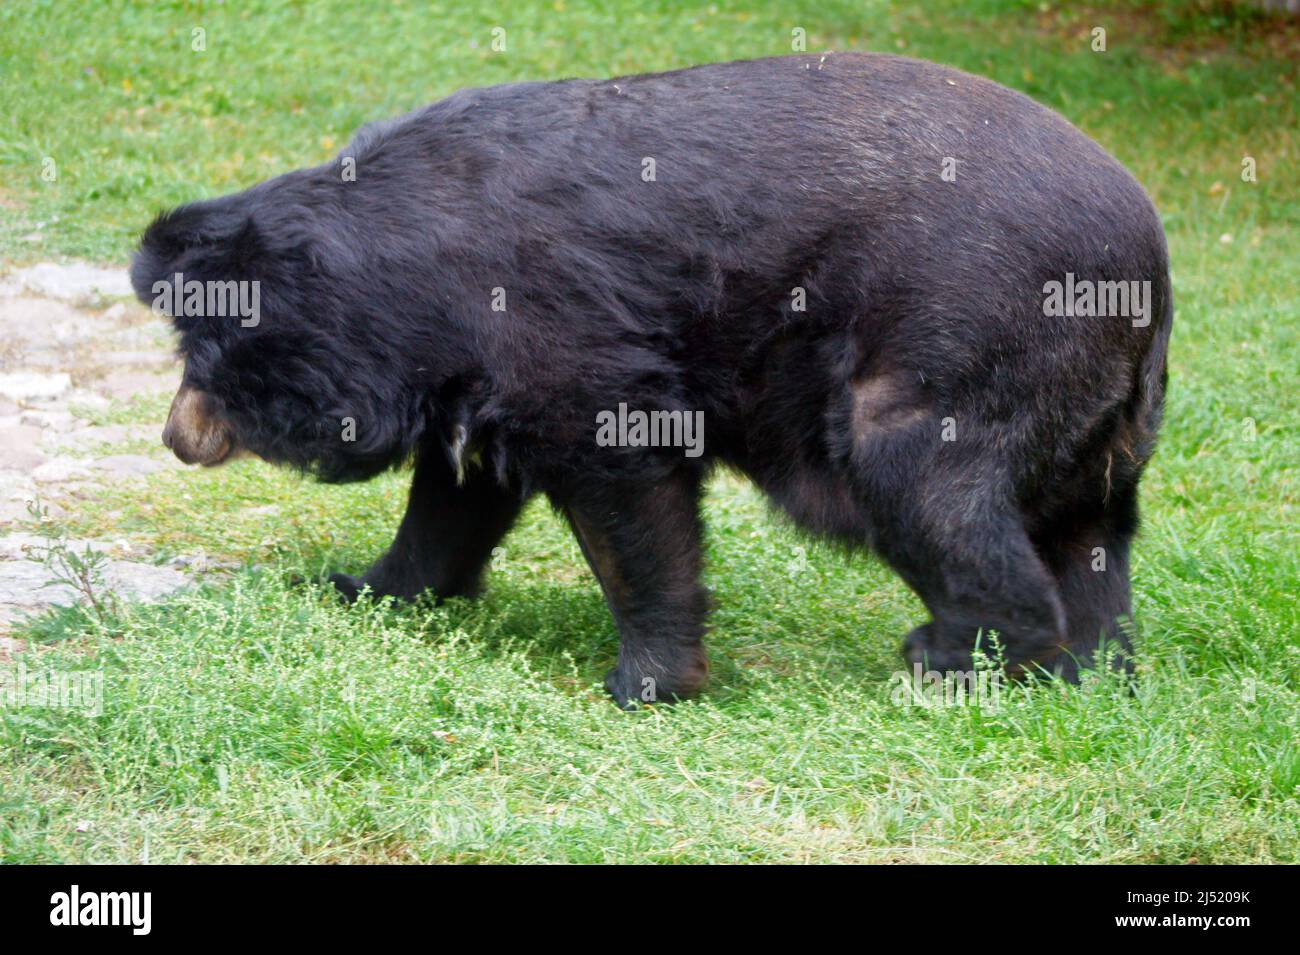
[[193, 433]]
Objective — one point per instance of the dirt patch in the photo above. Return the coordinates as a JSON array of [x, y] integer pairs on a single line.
[[72, 345]]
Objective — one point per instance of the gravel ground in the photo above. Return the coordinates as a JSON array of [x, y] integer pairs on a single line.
[[72, 341]]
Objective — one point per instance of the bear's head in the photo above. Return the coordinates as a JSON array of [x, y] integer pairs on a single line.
[[290, 350]]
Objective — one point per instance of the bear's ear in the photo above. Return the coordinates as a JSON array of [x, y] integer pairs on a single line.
[[208, 241]]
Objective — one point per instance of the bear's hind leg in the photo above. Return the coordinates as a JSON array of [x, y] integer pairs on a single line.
[[446, 537], [1089, 558], [969, 559]]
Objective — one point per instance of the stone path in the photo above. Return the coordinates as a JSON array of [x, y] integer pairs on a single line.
[[72, 340]]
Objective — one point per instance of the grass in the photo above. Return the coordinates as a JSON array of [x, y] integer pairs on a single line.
[[251, 721]]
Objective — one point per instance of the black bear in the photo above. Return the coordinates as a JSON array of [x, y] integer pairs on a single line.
[[924, 314]]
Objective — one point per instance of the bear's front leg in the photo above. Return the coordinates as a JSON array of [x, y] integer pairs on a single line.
[[446, 537], [643, 544]]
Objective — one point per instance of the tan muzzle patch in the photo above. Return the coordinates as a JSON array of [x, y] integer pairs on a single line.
[[192, 431]]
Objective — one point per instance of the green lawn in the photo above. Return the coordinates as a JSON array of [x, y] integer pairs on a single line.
[[250, 721]]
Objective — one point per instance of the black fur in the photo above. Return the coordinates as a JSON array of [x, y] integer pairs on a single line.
[[924, 310]]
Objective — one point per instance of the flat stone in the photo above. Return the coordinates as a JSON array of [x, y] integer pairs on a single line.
[[49, 419], [128, 384], [82, 398], [76, 281], [24, 545], [75, 330], [147, 582], [61, 469], [31, 321], [46, 359], [97, 435], [194, 562], [155, 334], [20, 435], [15, 546], [17, 486], [30, 585], [127, 465], [136, 358], [29, 385], [15, 510], [18, 447], [11, 481], [22, 459], [27, 584]]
